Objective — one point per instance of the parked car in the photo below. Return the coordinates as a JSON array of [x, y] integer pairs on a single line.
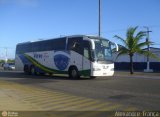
[[9, 66], [1, 64]]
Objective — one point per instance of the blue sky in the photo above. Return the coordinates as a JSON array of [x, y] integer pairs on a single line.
[[28, 20]]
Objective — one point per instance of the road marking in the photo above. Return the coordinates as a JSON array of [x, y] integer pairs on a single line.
[[72, 105], [61, 102], [32, 98], [131, 109]]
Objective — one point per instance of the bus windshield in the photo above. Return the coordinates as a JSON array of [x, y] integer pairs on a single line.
[[102, 50]]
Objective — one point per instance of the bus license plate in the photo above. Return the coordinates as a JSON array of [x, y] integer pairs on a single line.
[[104, 73]]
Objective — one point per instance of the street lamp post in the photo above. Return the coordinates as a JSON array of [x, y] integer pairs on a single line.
[[6, 58], [99, 22]]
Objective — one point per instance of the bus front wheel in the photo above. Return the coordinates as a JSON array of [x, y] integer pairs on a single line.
[[73, 73]]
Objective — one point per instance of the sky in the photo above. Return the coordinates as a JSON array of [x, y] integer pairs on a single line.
[[31, 20]]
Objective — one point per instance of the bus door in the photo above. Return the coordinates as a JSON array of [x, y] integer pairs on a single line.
[[75, 44], [86, 58]]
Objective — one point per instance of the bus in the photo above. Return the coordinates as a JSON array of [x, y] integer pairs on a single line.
[[76, 56]]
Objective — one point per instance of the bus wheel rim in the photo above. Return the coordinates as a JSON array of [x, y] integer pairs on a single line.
[[74, 73], [32, 71]]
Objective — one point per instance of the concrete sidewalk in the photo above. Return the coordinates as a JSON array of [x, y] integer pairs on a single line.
[[153, 75]]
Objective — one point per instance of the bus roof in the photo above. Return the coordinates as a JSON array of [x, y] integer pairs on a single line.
[[89, 36]]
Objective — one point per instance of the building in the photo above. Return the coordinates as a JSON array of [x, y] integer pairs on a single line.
[[139, 61]]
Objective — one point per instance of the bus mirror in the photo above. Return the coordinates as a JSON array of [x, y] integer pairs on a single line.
[[116, 46]]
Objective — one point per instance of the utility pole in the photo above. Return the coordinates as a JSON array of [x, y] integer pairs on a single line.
[[148, 49], [6, 58], [99, 22], [6, 53]]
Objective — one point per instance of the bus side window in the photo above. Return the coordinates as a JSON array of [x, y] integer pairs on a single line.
[[87, 49], [86, 53], [75, 44]]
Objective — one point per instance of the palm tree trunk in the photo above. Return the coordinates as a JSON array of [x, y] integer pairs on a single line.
[[131, 64]]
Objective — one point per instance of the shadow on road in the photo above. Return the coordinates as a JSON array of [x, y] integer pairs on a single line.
[[20, 77]]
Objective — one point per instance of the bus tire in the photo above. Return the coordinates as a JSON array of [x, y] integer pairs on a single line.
[[26, 69], [93, 77], [73, 73], [33, 70]]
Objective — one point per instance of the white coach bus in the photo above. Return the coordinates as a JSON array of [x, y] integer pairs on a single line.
[[73, 55]]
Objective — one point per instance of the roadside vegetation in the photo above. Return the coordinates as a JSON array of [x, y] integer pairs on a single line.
[[9, 61], [134, 43]]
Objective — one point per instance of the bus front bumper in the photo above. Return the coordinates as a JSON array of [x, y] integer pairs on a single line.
[[103, 70]]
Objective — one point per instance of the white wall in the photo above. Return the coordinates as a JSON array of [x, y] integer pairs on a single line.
[[137, 57]]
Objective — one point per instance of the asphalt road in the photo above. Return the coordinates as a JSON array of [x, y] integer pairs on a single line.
[[139, 93]]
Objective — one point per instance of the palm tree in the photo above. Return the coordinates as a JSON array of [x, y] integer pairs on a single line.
[[133, 44]]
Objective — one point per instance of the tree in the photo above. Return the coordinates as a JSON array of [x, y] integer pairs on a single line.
[[133, 44], [11, 61]]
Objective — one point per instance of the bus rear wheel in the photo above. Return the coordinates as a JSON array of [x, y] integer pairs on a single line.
[[33, 70], [26, 69], [93, 77], [73, 73]]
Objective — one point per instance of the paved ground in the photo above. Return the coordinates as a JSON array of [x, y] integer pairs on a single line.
[[154, 75], [19, 92]]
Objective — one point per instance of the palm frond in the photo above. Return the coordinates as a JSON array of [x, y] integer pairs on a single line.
[[130, 37], [143, 44], [121, 53], [131, 32], [122, 50], [140, 35], [121, 39], [148, 53]]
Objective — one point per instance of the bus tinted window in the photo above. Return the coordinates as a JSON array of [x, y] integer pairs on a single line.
[[59, 44], [23, 48], [47, 45], [87, 49], [75, 44]]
